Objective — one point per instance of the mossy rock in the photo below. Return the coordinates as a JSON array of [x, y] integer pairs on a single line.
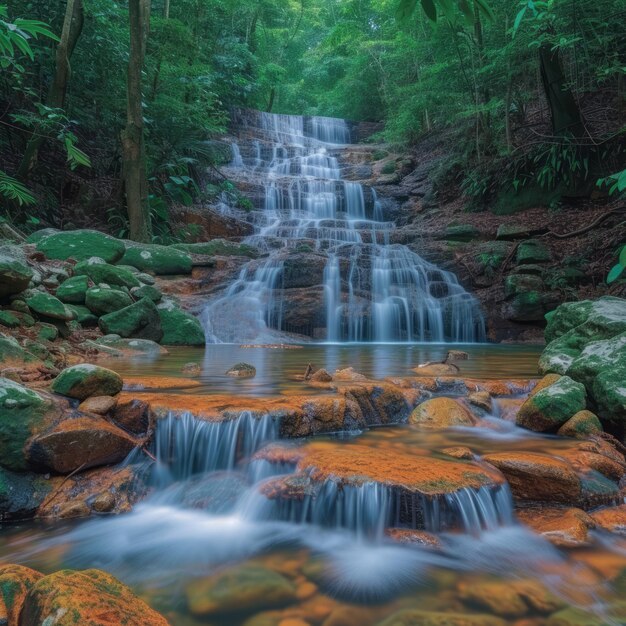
[[460, 232], [218, 247], [140, 320], [161, 260], [528, 306], [15, 274], [73, 290], [49, 306], [516, 284], [81, 245], [567, 316], [147, 291], [86, 380], [49, 332], [609, 392], [180, 328], [8, 319], [552, 406], [83, 315], [100, 272], [15, 583], [532, 251], [13, 355], [103, 300], [581, 425], [509, 232], [36, 348], [131, 346], [598, 356]]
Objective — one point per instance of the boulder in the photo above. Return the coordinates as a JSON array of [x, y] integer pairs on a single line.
[[81, 245], [47, 305], [83, 315], [147, 291], [241, 589], [89, 597], [86, 380], [73, 290], [611, 519], [242, 370], [140, 320], [532, 251], [460, 232], [21, 494], [134, 416], [581, 425], [15, 274], [439, 413], [436, 369], [100, 405], [218, 247], [598, 356], [103, 273], [516, 284], [180, 328], [550, 407], [508, 232], [481, 399], [119, 346], [8, 319], [321, 376], [47, 332], [563, 526], [15, 583], [157, 259], [103, 300], [12, 355], [609, 393], [528, 306]]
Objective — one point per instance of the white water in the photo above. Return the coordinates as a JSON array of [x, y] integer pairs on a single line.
[[372, 290]]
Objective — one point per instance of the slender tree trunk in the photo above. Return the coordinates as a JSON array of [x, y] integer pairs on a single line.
[[564, 111], [72, 28], [270, 104], [133, 147], [166, 9]]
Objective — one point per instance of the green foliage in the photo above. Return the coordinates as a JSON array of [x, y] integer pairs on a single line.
[[12, 189], [618, 269]]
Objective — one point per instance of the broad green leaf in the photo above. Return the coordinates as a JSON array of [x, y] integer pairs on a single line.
[[484, 6], [518, 20], [622, 257], [430, 9], [405, 9], [615, 273]]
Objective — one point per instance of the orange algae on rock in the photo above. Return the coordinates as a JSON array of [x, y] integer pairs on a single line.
[[159, 382], [15, 583], [566, 527]]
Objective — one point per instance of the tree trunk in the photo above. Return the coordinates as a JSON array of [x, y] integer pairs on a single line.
[[166, 9], [72, 28], [133, 148], [270, 104], [564, 111]]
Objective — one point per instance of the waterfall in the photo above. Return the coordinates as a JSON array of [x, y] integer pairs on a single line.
[[370, 290]]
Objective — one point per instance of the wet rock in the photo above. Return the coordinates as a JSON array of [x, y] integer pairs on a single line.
[[481, 399], [581, 425], [80, 245], [104, 502], [537, 477], [216, 493], [565, 527], [15, 274], [321, 376], [436, 369], [546, 381], [180, 328], [140, 320], [611, 519], [86, 380], [100, 405], [83, 315], [73, 290], [242, 370], [439, 413], [579, 617], [413, 537], [12, 355], [21, 494], [157, 259], [416, 617], [550, 407], [532, 251], [218, 247], [191, 369], [459, 452], [245, 588], [101, 300], [9, 319], [147, 291], [44, 304], [134, 416], [103, 273], [67, 598], [456, 355], [129, 347], [15, 583], [348, 374]]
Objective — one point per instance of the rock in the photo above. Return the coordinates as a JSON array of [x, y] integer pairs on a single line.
[[611, 519], [218, 247], [508, 232], [81, 245], [79, 443], [546, 381], [139, 320], [191, 369], [21, 494], [530, 306], [348, 374], [552, 406], [532, 251], [22, 412], [90, 597], [456, 355], [517, 284], [73, 290], [44, 304], [242, 370], [241, 589], [15, 274], [416, 617], [9, 319], [597, 356], [86, 380], [439, 413], [36, 348], [103, 273], [481, 399], [83, 315], [130, 347], [147, 291], [180, 328], [101, 301], [12, 355], [581, 617], [15, 583], [581, 425], [564, 527], [157, 259], [321, 376], [104, 502], [134, 416], [436, 369], [413, 537], [534, 476], [460, 232], [100, 405], [47, 332], [459, 452], [609, 393]]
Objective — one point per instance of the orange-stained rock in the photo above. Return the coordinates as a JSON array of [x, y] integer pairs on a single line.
[[538, 477], [459, 452], [481, 399], [414, 537], [134, 416], [89, 598], [321, 376], [439, 413], [546, 381], [100, 405], [508, 408], [15, 583], [348, 375], [567, 527], [133, 383], [436, 369], [612, 518], [581, 425], [306, 590], [583, 460]]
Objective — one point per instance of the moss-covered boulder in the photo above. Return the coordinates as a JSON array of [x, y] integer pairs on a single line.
[[218, 247], [460, 232], [609, 392], [119, 346], [532, 251], [47, 305], [73, 290], [81, 245], [552, 406], [597, 356], [516, 284], [15, 274], [103, 300], [15, 583], [89, 598], [83, 315], [241, 589], [509, 232], [581, 425], [140, 320], [527, 306], [12, 355], [48, 332], [83, 381], [567, 316], [180, 328], [9, 319], [100, 272], [158, 259], [147, 291]]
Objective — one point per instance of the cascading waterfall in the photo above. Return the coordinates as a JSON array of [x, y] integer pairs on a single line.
[[372, 291]]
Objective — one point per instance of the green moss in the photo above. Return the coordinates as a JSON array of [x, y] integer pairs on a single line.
[[73, 290], [158, 259], [86, 380], [109, 274], [218, 247], [8, 319], [388, 168], [81, 245], [44, 304], [180, 328]]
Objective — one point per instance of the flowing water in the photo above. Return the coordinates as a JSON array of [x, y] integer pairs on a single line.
[[208, 511], [371, 290]]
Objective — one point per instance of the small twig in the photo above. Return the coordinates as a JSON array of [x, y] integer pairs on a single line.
[[58, 489]]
